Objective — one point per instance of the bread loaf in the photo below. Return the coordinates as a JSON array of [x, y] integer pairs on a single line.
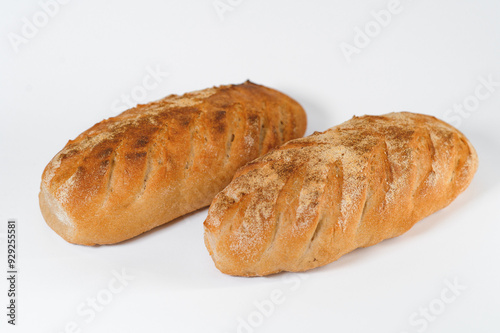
[[317, 198], [155, 162]]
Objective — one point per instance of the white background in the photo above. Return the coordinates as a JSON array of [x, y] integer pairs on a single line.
[[71, 72]]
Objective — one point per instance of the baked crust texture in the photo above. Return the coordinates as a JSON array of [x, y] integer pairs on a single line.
[[158, 161], [317, 198]]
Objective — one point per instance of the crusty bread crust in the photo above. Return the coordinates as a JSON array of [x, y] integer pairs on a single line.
[[153, 163], [314, 199]]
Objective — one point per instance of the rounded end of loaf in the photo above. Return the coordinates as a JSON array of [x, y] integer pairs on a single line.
[[55, 217]]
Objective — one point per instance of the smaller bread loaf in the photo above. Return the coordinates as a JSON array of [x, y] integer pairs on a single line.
[[317, 198], [155, 162]]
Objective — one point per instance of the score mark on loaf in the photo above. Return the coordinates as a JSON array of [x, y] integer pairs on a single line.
[[155, 162]]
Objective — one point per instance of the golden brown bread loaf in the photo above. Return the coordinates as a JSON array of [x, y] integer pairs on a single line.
[[153, 163], [314, 199]]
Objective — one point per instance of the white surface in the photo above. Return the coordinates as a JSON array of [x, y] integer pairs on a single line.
[[74, 70]]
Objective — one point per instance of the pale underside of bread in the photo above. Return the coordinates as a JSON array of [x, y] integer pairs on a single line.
[[153, 163], [317, 198]]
